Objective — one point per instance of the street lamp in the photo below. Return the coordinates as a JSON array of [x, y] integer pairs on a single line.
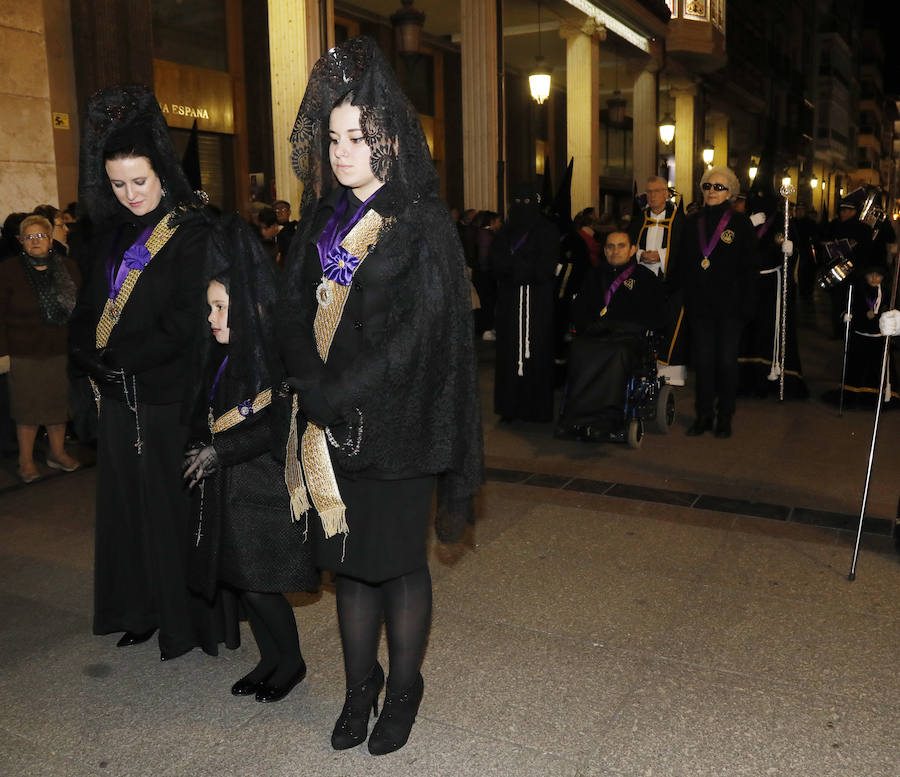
[[667, 129], [539, 79], [408, 23]]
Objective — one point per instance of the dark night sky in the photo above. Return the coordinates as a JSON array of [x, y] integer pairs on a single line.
[[885, 15]]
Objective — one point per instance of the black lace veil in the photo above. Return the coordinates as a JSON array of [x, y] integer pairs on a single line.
[[389, 121], [234, 251], [123, 117]]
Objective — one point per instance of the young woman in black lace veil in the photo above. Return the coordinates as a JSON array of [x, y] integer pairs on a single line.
[[243, 536], [375, 334], [132, 331]]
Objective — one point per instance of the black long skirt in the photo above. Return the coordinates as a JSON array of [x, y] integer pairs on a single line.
[[142, 535], [388, 521]]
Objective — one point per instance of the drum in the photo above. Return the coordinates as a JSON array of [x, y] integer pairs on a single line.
[[835, 273]]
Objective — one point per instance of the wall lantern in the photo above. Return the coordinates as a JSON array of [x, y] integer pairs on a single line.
[[408, 23], [813, 182], [786, 181], [752, 172], [667, 129], [539, 81], [708, 154]]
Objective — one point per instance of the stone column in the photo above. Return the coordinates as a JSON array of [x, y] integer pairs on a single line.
[[719, 123], [685, 141], [480, 94], [645, 127], [583, 111], [27, 158], [294, 35]]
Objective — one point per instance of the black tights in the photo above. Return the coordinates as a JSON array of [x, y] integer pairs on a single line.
[[275, 631], [405, 603]]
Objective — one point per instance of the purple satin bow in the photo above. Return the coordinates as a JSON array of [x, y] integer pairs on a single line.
[[136, 258], [339, 265]]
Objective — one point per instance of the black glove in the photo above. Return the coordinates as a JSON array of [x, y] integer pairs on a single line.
[[203, 464], [96, 364]]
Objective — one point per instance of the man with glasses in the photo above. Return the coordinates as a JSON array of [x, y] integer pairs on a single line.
[[658, 237]]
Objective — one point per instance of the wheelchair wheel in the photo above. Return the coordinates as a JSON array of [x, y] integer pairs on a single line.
[[665, 409], [634, 433]]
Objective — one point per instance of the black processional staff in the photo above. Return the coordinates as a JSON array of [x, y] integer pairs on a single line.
[[884, 372]]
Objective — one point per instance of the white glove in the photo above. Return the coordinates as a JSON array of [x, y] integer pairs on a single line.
[[846, 317], [889, 323], [787, 247]]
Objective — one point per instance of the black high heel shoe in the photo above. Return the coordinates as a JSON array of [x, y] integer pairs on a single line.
[[352, 726], [398, 713], [268, 692]]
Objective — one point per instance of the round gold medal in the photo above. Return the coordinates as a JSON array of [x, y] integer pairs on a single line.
[[705, 263]]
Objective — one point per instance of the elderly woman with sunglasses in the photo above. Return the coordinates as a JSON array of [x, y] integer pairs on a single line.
[[720, 270]]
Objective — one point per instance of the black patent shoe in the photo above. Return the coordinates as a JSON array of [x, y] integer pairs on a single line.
[[723, 427], [130, 638], [247, 687], [268, 692], [702, 424], [398, 714], [352, 726]]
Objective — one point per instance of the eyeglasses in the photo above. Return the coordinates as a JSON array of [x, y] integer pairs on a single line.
[[281, 209], [719, 187], [37, 236]]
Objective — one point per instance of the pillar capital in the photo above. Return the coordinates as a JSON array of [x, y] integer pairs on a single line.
[[589, 27]]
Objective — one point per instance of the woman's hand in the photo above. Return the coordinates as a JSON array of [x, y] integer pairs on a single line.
[[201, 464]]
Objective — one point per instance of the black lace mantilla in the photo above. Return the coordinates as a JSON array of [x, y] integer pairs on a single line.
[[120, 115], [389, 122]]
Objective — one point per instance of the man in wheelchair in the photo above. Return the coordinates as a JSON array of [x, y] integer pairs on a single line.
[[618, 302]]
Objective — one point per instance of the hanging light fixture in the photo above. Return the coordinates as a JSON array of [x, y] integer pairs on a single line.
[[408, 23], [708, 154], [786, 181], [667, 129], [539, 80], [813, 182]]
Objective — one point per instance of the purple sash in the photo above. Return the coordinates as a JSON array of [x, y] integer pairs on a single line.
[[767, 226], [218, 377], [613, 287], [708, 247], [338, 264], [136, 258]]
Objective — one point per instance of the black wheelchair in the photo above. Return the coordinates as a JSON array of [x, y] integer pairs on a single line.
[[649, 400]]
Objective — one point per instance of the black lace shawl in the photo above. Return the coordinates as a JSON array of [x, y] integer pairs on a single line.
[[123, 115], [417, 390]]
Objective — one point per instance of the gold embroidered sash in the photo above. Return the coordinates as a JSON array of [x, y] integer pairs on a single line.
[[313, 472], [113, 308], [234, 416]]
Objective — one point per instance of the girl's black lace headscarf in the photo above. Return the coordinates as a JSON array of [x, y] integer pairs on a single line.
[[234, 252], [121, 118], [390, 123]]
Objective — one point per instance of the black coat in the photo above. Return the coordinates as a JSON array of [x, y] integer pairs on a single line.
[[638, 303], [243, 534], [728, 287], [154, 337], [402, 357]]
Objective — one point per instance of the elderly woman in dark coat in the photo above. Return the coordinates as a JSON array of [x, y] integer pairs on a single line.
[[243, 536], [376, 337], [720, 272], [37, 295]]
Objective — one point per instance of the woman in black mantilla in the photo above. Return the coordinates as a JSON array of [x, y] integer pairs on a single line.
[[243, 535], [132, 332], [375, 330], [720, 272]]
